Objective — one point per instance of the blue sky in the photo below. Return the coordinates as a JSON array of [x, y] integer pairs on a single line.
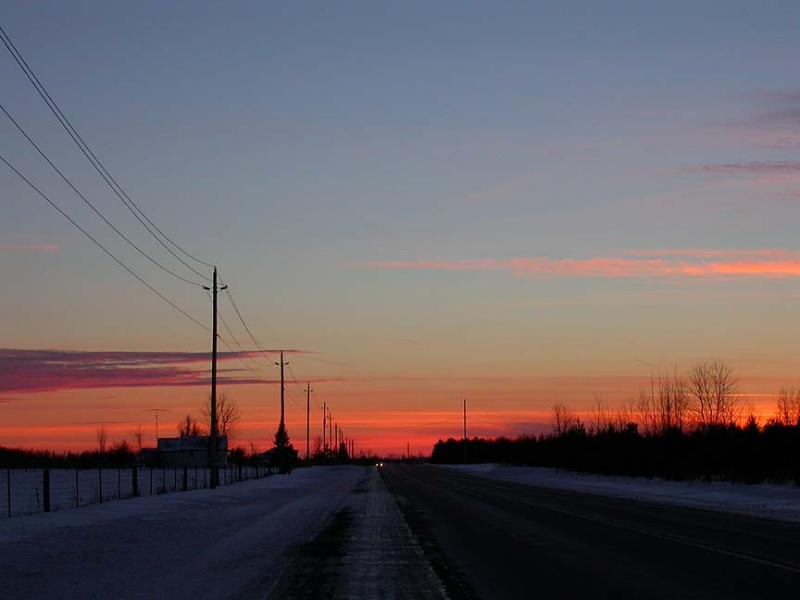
[[294, 143]]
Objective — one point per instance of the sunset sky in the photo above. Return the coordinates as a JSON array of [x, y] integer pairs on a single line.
[[513, 203]]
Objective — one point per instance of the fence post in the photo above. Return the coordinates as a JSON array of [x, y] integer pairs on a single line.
[[100, 483], [163, 480], [119, 483], [8, 489], [46, 490], [185, 477], [135, 481], [175, 478], [151, 481], [77, 489]]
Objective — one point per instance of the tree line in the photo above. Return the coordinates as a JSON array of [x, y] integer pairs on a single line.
[[682, 426]]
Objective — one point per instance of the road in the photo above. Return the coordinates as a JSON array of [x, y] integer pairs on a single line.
[[492, 539]]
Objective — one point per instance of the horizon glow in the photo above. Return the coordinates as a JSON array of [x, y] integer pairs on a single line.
[[517, 205]]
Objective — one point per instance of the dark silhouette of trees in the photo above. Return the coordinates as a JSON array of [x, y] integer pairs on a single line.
[[714, 389], [189, 427], [682, 427], [283, 454], [228, 416], [746, 453], [787, 411]]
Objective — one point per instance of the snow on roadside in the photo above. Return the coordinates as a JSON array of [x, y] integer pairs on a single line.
[[763, 500], [224, 543]]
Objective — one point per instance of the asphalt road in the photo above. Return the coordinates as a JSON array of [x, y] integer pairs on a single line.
[[491, 539]]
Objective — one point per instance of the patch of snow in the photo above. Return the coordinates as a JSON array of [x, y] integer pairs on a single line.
[[382, 559], [224, 543], [763, 500]]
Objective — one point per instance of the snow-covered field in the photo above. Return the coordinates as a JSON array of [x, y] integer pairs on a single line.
[[764, 500], [76, 487], [225, 543]]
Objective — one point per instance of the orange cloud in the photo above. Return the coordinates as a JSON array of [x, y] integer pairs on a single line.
[[691, 263]]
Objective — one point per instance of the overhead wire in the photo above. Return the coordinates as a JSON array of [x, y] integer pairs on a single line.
[[96, 162], [240, 356], [88, 202], [100, 245]]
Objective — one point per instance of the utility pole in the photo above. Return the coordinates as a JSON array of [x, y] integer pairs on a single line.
[[308, 420], [324, 426], [156, 411], [213, 438], [281, 365], [465, 430], [330, 430], [408, 450]]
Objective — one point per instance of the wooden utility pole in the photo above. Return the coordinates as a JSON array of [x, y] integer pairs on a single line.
[[213, 443], [465, 430], [324, 426], [308, 420], [281, 365]]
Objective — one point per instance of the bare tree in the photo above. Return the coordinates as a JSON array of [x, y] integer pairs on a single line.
[[714, 390], [138, 435], [564, 419], [646, 409], [600, 414], [671, 402], [189, 427], [228, 416], [102, 438], [626, 415], [316, 447], [787, 411]]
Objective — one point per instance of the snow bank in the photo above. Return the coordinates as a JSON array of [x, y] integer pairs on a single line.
[[763, 500], [223, 543]]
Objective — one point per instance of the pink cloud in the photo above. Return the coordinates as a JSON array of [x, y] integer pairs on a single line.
[[783, 167], [672, 263], [46, 370]]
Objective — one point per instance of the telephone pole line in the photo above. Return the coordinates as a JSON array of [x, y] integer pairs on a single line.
[[281, 365], [324, 426], [465, 430], [308, 421], [156, 411], [213, 443]]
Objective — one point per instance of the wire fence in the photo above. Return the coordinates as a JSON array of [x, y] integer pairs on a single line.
[[31, 491]]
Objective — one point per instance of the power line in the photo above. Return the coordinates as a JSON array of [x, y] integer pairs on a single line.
[[101, 246], [92, 158], [89, 203], [244, 324], [238, 344]]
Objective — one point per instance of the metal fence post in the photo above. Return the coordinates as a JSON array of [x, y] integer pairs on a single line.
[[119, 484], [8, 489], [135, 481], [185, 477], [151, 481], [100, 484], [77, 489], [46, 490]]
